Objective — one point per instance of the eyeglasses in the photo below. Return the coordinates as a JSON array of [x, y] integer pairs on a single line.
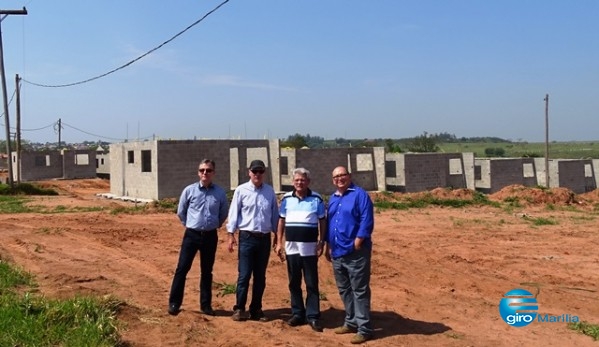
[[340, 175], [205, 170], [257, 172]]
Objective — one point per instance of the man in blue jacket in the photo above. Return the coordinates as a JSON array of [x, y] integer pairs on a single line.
[[350, 217]]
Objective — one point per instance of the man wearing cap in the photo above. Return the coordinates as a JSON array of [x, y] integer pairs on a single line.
[[254, 213]]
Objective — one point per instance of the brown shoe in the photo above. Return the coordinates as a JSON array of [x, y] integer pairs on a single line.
[[359, 338], [239, 315], [344, 329]]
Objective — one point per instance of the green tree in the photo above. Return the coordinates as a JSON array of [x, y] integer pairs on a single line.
[[392, 147], [424, 143], [295, 141]]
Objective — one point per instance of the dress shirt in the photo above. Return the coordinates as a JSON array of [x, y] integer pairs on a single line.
[[202, 208], [350, 215], [253, 209]]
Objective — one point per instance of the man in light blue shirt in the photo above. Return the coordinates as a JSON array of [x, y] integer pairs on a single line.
[[254, 213], [202, 209]]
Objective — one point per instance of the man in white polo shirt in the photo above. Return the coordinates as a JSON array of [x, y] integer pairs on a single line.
[[302, 222]]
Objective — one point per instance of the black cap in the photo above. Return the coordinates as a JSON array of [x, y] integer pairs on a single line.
[[257, 164]]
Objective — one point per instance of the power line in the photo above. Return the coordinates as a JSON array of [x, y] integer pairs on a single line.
[[132, 61], [10, 101], [104, 137]]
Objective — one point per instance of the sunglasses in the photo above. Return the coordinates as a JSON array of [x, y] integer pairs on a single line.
[[205, 170], [340, 175], [257, 172]]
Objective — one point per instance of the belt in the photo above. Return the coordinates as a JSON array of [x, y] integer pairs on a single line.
[[203, 231], [256, 234]]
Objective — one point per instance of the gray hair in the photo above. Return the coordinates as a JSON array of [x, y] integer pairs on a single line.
[[302, 171]]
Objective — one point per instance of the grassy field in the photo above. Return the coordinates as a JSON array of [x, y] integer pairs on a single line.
[[557, 150]]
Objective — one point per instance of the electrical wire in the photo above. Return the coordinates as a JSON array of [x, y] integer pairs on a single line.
[[9, 101], [132, 61], [100, 136]]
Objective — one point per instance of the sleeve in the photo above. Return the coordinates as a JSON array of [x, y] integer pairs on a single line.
[[282, 208], [223, 210], [275, 212], [182, 206], [233, 215], [366, 218]]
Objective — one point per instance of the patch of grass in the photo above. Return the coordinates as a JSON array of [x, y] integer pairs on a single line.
[[428, 199], [225, 288], [32, 320], [25, 189], [541, 221], [586, 328], [12, 277], [14, 204]]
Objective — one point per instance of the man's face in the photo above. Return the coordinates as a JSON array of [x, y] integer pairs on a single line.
[[301, 183], [341, 178], [205, 173], [257, 176]]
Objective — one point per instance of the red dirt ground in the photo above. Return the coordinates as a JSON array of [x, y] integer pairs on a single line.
[[438, 273]]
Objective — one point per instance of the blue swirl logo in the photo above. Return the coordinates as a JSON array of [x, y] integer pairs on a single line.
[[518, 308]]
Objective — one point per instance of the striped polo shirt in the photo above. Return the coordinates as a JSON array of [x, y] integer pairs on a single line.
[[301, 222]]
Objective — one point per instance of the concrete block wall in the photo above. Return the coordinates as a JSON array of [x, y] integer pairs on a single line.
[[571, 175], [498, 173], [103, 164], [126, 176], [79, 164], [321, 162], [174, 165], [424, 171], [37, 165]]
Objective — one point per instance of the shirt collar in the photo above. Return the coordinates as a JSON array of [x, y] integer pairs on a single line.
[[308, 193], [351, 187]]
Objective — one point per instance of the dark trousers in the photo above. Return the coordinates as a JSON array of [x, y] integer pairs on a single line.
[[253, 254], [194, 242], [308, 266]]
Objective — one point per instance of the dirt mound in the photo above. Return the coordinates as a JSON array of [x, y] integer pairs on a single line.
[[437, 193], [533, 195], [69, 186], [591, 197]]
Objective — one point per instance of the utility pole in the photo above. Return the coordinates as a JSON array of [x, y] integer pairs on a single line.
[[59, 132], [5, 95], [547, 140], [18, 134]]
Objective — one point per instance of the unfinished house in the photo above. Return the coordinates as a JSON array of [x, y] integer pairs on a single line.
[[493, 174], [416, 172], [102, 163], [365, 164], [65, 164], [160, 169]]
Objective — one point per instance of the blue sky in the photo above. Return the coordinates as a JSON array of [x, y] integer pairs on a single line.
[[329, 68]]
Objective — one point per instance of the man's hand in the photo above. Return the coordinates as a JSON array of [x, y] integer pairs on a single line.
[[231, 242], [279, 252], [319, 248], [327, 252]]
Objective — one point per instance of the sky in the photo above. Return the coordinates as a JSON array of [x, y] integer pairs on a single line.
[[256, 69]]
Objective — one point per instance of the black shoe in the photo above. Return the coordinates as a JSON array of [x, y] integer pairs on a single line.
[[296, 321], [258, 316], [209, 311], [173, 309], [315, 325]]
